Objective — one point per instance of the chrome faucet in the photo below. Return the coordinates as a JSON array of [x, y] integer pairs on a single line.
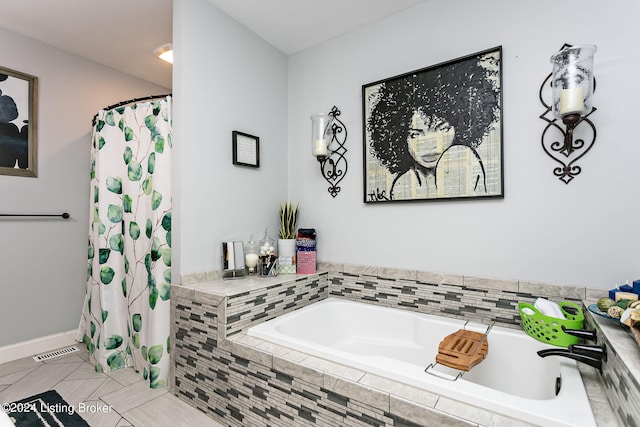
[[589, 354]]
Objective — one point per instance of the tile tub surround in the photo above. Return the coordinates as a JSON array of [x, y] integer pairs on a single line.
[[262, 299], [621, 372]]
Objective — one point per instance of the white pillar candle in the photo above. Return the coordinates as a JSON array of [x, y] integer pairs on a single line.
[[572, 100], [320, 147]]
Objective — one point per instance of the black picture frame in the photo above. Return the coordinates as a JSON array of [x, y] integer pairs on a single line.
[[246, 149], [18, 123], [435, 133]]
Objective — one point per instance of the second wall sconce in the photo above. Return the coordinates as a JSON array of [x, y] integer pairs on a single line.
[[328, 136], [572, 86]]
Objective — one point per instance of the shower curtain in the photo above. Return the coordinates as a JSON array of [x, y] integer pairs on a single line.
[[125, 317]]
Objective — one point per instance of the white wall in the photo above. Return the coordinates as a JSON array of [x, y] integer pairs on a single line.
[[583, 233], [43, 263], [225, 79]]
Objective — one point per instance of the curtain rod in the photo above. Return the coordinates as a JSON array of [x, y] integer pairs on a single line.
[[64, 215], [130, 101]]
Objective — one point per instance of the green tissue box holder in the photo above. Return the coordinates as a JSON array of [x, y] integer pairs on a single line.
[[549, 329]]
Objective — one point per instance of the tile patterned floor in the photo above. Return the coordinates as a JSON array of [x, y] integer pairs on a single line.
[[114, 399]]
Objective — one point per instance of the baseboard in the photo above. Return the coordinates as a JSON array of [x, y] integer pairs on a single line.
[[37, 345]]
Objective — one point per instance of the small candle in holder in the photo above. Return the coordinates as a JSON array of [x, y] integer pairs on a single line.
[[572, 81], [320, 147], [320, 128], [572, 100]]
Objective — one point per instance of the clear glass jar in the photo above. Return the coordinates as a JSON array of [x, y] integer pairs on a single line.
[[268, 260], [572, 80]]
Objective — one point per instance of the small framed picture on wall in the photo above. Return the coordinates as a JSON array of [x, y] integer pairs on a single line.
[[246, 149]]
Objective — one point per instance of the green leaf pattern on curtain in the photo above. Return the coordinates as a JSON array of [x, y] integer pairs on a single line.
[[125, 319]]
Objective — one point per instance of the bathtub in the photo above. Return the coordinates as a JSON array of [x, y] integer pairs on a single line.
[[397, 344]]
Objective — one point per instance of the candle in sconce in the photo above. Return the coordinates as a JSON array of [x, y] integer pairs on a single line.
[[320, 147], [572, 100]]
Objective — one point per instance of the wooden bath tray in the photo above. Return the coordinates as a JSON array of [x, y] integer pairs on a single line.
[[463, 349]]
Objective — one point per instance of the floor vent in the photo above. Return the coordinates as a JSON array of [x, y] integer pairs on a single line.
[[55, 353]]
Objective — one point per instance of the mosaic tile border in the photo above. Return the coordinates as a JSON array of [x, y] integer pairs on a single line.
[[461, 299]]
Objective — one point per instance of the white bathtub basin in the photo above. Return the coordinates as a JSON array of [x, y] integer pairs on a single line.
[[512, 380]]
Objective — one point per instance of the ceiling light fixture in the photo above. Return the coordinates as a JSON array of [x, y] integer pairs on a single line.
[[165, 52]]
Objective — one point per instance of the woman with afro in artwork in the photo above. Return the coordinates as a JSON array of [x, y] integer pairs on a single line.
[[425, 129]]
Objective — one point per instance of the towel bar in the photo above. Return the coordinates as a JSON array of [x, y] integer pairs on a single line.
[[63, 215]]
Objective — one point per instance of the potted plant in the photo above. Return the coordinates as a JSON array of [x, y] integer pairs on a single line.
[[287, 240]]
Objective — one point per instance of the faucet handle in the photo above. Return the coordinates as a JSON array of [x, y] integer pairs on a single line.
[[587, 334], [598, 352]]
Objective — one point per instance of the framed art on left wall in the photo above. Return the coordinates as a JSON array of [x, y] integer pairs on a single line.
[[18, 123]]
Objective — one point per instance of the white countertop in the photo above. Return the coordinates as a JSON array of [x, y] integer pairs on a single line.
[[231, 287]]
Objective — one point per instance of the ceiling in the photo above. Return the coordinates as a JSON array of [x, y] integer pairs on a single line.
[[294, 25], [118, 33], [123, 34]]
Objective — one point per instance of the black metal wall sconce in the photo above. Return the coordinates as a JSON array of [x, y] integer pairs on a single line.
[[572, 87], [328, 136]]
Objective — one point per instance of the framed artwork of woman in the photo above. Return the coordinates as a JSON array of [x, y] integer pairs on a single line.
[[435, 133]]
